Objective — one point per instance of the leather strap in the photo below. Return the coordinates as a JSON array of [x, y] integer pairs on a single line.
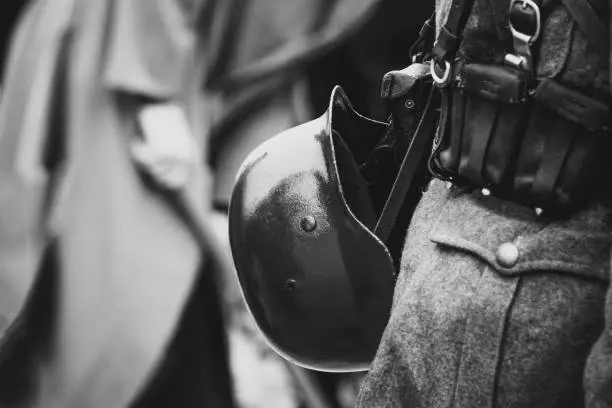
[[590, 24], [433, 164], [579, 179], [412, 159], [449, 157], [532, 149], [502, 148], [450, 35], [425, 41], [558, 145], [483, 115]]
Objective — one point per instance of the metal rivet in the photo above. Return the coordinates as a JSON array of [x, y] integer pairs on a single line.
[[485, 192], [290, 284], [308, 223], [409, 104]]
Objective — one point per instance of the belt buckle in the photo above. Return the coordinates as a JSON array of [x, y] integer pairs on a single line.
[[522, 58]]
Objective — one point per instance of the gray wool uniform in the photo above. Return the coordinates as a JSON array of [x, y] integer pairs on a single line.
[[495, 306]]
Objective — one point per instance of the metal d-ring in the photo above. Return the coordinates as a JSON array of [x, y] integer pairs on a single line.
[[447, 73], [522, 42]]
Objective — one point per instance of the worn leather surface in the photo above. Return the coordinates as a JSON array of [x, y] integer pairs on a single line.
[[546, 153]]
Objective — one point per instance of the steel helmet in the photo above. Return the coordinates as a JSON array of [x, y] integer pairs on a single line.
[[316, 279]]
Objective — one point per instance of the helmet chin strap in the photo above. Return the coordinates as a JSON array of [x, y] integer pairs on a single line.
[[414, 155]]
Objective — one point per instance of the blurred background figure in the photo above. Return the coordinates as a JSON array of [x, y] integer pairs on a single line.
[[11, 12], [105, 298]]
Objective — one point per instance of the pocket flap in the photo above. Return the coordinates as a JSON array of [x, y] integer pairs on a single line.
[[513, 241]]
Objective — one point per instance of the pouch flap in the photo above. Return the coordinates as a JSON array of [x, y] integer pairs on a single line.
[[495, 82], [573, 105]]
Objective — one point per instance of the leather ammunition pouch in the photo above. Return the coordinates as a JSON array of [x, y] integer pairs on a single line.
[[514, 133], [538, 143]]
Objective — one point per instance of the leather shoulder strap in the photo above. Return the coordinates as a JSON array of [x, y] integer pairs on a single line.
[[449, 38]]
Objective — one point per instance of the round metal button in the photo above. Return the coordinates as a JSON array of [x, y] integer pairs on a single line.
[[507, 255], [290, 284], [308, 223]]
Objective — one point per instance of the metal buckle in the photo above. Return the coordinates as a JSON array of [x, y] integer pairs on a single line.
[[523, 58], [525, 4], [445, 79]]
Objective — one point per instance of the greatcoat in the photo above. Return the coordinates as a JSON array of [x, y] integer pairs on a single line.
[[495, 306]]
